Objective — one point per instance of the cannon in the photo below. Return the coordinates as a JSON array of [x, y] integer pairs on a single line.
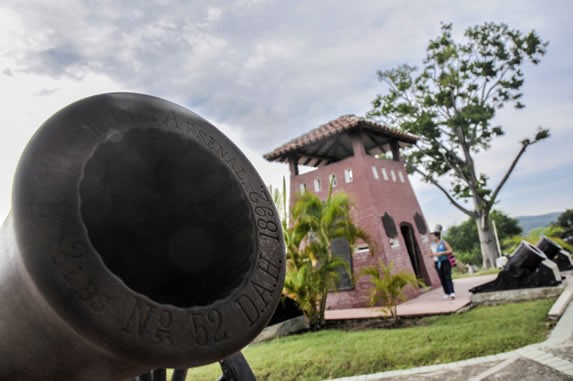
[[556, 253], [140, 238], [527, 267]]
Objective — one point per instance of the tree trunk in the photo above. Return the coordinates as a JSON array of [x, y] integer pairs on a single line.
[[322, 309], [487, 243]]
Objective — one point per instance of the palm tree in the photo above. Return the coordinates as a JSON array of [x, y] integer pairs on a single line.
[[300, 281], [388, 286], [311, 268]]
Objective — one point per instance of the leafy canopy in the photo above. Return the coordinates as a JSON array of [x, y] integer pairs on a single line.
[[565, 219], [553, 232], [451, 101]]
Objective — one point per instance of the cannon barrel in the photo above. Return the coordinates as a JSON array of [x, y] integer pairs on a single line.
[[528, 267], [139, 237], [526, 258], [550, 248]]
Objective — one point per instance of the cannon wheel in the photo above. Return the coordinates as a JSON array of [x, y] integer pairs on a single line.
[[235, 368]]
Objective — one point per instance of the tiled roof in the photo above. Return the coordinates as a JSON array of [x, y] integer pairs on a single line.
[[342, 124]]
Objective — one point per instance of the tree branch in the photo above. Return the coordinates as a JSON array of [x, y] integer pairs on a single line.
[[495, 84], [452, 200], [491, 201], [451, 164], [455, 167], [472, 181]]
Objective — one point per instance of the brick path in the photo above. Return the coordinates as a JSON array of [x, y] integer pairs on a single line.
[[429, 303]]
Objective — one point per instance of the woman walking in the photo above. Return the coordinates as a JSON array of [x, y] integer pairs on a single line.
[[440, 251]]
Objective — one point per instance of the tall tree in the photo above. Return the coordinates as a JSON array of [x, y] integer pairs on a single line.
[[464, 237], [565, 222], [450, 104], [565, 219], [311, 268]]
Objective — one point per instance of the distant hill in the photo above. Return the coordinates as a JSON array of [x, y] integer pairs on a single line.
[[528, 223]]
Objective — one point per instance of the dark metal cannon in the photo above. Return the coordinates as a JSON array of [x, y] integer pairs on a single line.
[[527, 267], [556, 253], [140, 237]]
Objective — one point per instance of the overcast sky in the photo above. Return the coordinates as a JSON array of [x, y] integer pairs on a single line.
[[267, 71]]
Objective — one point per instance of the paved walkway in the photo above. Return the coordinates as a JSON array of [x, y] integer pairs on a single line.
[[550, 360], [429, 303]]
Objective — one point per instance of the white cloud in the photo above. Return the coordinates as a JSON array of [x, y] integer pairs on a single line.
[[271, 50], [214, 14], [267, 71], [29, 100]]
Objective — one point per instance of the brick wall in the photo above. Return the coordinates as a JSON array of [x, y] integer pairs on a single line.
[[387, 191]]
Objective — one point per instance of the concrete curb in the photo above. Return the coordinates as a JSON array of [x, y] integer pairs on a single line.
[[520, 295], [562, 302], [497, 358]]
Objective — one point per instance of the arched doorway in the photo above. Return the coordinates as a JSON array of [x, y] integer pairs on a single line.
[[414, 253]]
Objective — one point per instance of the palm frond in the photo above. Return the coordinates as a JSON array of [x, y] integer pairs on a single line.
[[388, 286]]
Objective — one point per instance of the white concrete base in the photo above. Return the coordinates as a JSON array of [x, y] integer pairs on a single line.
[[285, 328], [519, 295]]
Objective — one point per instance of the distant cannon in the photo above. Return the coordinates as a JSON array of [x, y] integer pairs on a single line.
[[527, 267], [556, 253], [140, 238]]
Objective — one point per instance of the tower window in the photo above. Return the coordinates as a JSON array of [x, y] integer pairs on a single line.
[[375, 173], [362, 248], [341, 248], [317, 185], [384, 174], [401, 176], [302, 188], [332, 180], [393, 174], [348, 175]]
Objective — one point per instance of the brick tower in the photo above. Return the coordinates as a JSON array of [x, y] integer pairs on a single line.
[[362, 158]]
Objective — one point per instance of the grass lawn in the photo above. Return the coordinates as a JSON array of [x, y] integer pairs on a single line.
[[334, 353]]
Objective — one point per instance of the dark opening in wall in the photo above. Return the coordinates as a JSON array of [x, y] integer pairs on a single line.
[[389, 226]]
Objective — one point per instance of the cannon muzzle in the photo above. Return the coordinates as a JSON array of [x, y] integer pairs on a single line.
[[556, 253], [139, 237]]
